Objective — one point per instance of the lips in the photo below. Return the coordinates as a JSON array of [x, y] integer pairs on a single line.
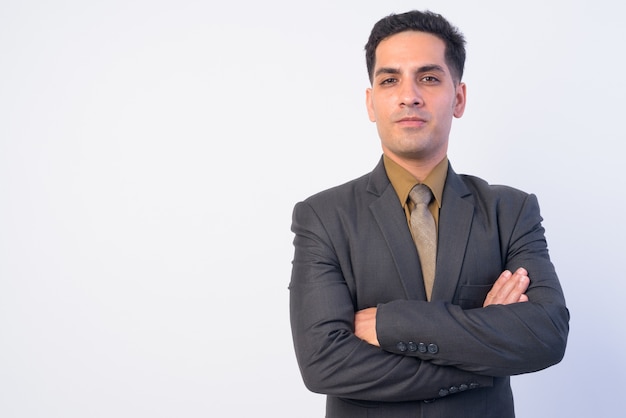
[[411, 121]]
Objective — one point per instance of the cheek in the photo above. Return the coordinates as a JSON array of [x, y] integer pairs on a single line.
[[447, 109]]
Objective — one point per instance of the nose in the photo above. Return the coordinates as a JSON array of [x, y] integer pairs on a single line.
[[410, 95]]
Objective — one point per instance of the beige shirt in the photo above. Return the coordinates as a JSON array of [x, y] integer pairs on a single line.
[[403, 181]]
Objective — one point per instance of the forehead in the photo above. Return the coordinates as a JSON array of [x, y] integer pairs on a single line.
[[410, 47]]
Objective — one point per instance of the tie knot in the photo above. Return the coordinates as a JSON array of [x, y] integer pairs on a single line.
[[420, 194]]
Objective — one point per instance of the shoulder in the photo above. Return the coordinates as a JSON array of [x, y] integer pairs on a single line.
[[331, 211], [358, 192], [505, 199], [481, 187], [346, 198]]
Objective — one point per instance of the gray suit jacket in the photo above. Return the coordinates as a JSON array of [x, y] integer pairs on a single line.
[[445, 358]]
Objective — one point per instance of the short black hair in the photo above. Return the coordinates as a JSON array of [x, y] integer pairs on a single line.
[[427, 22]]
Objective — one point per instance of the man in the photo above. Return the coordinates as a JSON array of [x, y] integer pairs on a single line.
[[376, 326]]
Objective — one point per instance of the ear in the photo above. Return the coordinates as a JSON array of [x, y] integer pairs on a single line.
[[370, 104], [461, 96]]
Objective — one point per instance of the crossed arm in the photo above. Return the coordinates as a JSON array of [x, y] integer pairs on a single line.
[[509, 288], [337, 350]]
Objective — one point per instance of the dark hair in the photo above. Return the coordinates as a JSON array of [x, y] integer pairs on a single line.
[[427, 22]]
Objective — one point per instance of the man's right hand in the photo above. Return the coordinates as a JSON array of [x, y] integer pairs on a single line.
[[509, 288]]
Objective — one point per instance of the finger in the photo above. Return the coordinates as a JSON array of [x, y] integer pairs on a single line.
[[508, 288], [521, 278], [502, 280], [516, 287], [519, 273], [496, 289], [508, 292]]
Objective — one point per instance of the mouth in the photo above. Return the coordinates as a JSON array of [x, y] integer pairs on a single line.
[[411, 121]]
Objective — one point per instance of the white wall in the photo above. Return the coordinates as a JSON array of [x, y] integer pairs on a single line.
[[135, 135]]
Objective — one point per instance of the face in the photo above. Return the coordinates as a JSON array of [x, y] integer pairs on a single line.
[[413, 97]]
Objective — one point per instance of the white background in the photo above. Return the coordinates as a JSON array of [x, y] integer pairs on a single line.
[[135, 135]]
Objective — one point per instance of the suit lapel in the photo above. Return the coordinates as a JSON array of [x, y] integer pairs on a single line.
[[392, 222], [455, 222]]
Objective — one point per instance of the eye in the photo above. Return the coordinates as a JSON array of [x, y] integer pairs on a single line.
[[430, 79], [389, 80]]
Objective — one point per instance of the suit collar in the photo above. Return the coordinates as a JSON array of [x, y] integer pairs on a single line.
[[454, 228], [455, 221], [391, 220], [378, 181]]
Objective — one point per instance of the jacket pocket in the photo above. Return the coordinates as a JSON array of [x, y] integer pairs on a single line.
[[472, 296]]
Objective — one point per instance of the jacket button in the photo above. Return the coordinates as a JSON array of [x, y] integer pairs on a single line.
[[433, 348], [474, 386], [453, 389], [401, 347], [443, 392], [463, 387], [412, 346], [421, 347]]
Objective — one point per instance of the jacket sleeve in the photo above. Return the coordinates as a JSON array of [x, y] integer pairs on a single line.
[[498, 340], [331, 358]]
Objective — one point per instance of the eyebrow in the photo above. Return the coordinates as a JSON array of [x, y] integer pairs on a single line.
[[422, 69]]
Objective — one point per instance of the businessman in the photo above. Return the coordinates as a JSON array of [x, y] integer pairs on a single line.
[[417, 291]]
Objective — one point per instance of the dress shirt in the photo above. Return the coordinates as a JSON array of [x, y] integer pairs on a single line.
[[403, 181]]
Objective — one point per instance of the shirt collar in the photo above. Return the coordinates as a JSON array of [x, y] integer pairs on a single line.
[[403, 181]]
